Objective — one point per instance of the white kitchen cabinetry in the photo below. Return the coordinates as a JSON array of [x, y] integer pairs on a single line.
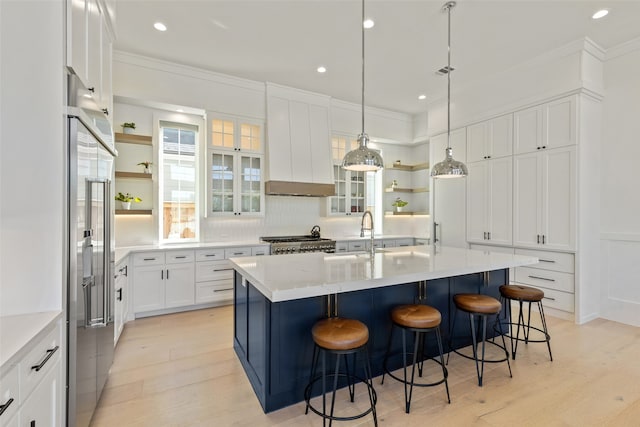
[[490, 139], [299, 148], [489, 201], [554, 275], [163, 280], [438, 145], [546, 126], [122, 298], [351, 192], [31, 386], [89, 49], [545, 199]]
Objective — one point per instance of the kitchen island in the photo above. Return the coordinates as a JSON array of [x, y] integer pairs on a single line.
[[277, 299]]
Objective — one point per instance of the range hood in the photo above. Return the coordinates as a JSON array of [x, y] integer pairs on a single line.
[[308, 189]]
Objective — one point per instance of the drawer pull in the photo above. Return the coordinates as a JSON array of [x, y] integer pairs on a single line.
[[223, 269], [46, 359], [222, 290], [549, 298], [149, 259], [6, 405], [547, 260], [542, 278], [208, 255], [238, 253], [180, 257]]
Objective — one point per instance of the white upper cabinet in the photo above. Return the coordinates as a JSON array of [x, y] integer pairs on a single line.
[[89, 49], [298, 134], [545, 199], [489, 201], [545, 126], [490, 139]]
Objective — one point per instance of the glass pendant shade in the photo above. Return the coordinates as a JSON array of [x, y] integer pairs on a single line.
[[362, 158], [449, 167]]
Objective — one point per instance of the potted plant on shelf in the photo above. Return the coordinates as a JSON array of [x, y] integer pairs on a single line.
[[126, 199], [147, 166], [399, 204], [128, 127]]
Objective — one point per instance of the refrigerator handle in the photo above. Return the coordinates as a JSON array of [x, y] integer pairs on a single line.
[[108, 276]]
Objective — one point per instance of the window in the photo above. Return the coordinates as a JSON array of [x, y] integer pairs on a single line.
[[178, 181]]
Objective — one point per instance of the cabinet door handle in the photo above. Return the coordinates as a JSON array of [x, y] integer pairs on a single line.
[[547, 260], [180, 257], [46, 359], [149, 259], [167, 274], [542, 278], [161, 274], [222, 290], [222, 269], [105, 111], [537, 238], [488, 235], [543, 239], [6, 405], [119, 294], [549, 298], [33, 423]]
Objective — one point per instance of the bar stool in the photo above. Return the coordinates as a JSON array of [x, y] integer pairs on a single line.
[[482, 306], [530, 295], [340, 337], [421, 320]]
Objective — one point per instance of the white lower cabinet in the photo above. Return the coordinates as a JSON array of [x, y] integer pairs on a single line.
[[554, 275], [122, 298], [31, 390], [163, 280]]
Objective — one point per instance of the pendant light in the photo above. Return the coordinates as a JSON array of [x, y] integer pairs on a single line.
[[449, 167], [362, 158]]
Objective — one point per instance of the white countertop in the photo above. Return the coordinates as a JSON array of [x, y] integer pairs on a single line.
[[122, 252], [288, 277], [17, 331]]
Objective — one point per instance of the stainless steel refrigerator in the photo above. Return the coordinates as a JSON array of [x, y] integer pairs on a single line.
[[90, 294]]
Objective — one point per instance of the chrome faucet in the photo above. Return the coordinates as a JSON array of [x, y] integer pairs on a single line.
[[363, 228]]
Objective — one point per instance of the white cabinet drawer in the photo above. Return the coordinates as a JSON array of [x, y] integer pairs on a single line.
[[213, 270], [545, 278], [342, 247], [404, 242], [214, 290], [389, 244], [40, 360], [236, 252], [357, 246], [148, 258], [558, 300], [209, 254], [260, 250], [179, 257], [489, 248], [556, 261], [9, 394]]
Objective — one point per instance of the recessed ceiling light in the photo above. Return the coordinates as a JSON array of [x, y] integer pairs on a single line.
[[160, 26], [322, 69], [600, 14], [368, 23], [421, 97]]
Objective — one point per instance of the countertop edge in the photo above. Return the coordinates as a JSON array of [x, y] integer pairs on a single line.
[[18, 331]]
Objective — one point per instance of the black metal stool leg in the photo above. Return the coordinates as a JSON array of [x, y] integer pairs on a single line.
[[504, 346], [453, 328], [543, 319], [314, 367], [335, 387], [369, 377], [386, 355], [444, 370], [474, 343]]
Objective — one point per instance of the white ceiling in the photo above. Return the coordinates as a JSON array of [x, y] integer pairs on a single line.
[[284, 41]]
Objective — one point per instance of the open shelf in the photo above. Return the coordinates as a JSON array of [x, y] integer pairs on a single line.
[[406, 190], [120, 174], [133, 212], [133, 139], [409, 168]]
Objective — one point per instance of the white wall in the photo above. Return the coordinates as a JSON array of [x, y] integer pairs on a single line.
[[32, 156], [620, 194]]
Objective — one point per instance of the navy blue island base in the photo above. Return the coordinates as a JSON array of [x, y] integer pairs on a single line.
[[273, 340]]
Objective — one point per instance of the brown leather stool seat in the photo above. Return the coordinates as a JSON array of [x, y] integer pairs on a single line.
[[335, 333], [521, 293], [339, 338], [529, 295], [416, 316], [481, 306], [420, 320], [477, 303]]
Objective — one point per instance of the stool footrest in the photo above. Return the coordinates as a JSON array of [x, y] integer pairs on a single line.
[[446, 372], [459, 353], [307, 397], [507, 334]]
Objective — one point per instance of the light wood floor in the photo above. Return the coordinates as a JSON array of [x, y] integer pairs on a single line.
[[180, 370]]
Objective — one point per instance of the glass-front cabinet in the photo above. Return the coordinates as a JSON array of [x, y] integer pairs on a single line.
[[351, 186], [236, 185]]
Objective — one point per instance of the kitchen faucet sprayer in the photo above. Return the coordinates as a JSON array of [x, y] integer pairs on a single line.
[[363, 228]]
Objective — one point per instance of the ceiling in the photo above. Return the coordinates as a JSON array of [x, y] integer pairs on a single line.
[[284, 41]]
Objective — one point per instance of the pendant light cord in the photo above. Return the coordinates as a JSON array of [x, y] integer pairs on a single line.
[[449, 6], [362, 26]]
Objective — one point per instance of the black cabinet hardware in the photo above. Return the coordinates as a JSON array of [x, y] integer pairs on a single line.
[[46, 359], [6, 405]]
